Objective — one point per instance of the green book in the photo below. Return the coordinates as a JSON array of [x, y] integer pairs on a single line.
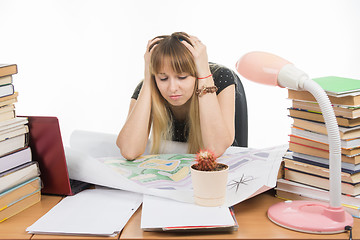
[[339, 86]]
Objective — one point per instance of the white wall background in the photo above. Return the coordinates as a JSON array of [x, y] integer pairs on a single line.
[[80, 60]]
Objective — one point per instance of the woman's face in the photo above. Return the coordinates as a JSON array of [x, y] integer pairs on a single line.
[[177, 89]]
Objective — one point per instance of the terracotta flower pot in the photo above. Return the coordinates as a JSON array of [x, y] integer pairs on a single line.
[[209, 186]]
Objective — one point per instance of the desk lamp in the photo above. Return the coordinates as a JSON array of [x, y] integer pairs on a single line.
[[303, 216]]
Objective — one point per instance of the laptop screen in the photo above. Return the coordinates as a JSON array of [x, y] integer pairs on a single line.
[[47, 149]]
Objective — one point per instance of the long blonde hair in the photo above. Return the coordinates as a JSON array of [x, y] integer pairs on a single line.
[[169, 48]]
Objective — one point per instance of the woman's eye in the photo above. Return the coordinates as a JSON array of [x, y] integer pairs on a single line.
[[163, 79], [182, 77]]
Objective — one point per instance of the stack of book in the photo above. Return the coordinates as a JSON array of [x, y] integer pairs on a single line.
[[20, 184], [306, 168]]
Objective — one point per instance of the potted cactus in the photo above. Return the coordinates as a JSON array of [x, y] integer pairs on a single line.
[[209, 179]]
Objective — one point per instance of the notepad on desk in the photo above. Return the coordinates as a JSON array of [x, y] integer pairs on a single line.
[[100, 212], [161, 214]]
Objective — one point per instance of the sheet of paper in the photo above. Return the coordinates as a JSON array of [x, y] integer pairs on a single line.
[[98, 144], [160, 212], [83, 167], [90, 212], [251, 171]]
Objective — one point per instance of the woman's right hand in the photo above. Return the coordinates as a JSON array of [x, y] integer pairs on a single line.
[[147, 56]]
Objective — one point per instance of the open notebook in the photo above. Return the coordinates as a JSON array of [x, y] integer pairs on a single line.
[[161, 214]]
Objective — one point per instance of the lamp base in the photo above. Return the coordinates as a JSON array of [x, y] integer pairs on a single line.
[[310, 217]]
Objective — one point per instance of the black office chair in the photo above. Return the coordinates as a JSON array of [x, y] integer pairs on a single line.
[[241, 116]]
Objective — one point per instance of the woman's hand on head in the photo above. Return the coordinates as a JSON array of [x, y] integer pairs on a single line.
[[147, 56], [198, 50]]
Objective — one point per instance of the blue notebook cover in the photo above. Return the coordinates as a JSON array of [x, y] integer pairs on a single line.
[[5, 203]]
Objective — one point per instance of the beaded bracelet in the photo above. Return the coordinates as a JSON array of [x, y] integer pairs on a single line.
[[205, 77], [204, 90]]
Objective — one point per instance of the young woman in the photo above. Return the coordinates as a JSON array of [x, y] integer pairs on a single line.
[[182, 98]]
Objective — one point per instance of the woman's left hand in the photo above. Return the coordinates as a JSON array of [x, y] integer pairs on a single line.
[[198, 50]]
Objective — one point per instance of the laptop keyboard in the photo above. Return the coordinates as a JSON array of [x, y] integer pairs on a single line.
[[78, 186]]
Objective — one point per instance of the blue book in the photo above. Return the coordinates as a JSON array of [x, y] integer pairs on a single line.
[[19, 192]]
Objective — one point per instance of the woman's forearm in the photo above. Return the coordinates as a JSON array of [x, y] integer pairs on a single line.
[[216, 116], [134, 135], [217, 119]]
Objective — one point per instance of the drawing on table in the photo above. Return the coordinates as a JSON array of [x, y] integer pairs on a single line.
[[158, 171], [95, 159], [172, 171], [235, 184]]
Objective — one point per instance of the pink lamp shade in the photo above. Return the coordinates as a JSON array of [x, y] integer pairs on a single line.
[[261, 67]]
